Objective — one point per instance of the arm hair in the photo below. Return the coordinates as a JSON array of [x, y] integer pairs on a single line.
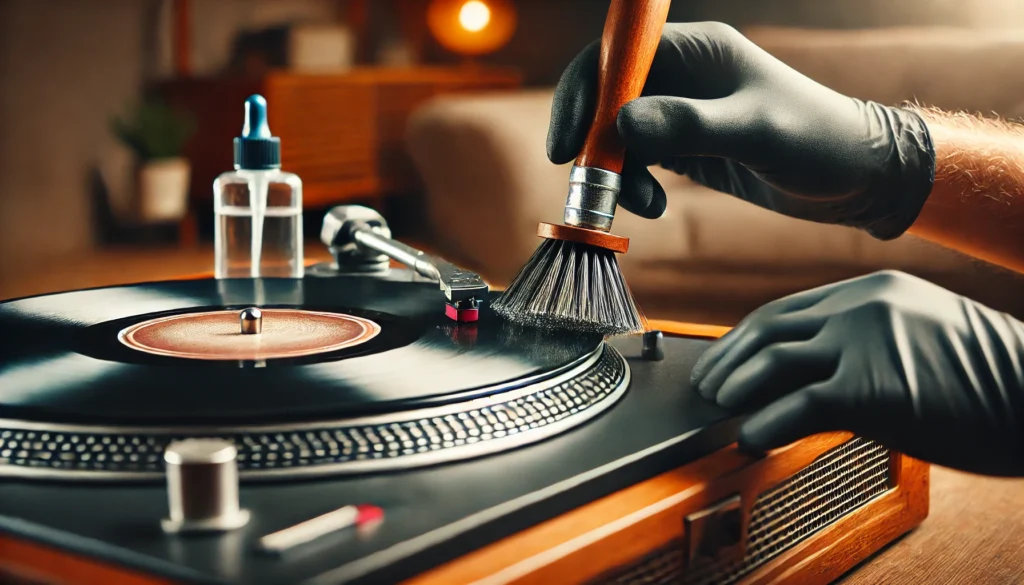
[[977, 202]]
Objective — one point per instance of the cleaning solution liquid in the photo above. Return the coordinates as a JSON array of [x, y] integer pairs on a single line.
[[258, 207]]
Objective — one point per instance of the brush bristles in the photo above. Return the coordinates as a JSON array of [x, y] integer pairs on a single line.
[[569, 285]]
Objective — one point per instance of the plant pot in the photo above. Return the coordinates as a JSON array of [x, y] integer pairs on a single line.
[[163, 190]]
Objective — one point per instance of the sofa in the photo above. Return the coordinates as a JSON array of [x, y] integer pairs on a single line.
[[713, 258]]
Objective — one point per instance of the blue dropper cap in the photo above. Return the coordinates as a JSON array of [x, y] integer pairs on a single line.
[[256, 148]]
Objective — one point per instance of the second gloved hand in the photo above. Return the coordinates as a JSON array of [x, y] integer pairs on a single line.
[[732, 117], [889, 357]]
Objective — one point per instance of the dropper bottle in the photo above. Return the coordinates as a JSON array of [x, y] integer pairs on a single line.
[[258, 207]]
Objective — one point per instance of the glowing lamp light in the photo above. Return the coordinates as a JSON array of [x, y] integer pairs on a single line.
[[474, 15], [472, 27]]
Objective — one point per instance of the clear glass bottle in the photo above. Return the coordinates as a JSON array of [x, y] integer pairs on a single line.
[[258, 207]]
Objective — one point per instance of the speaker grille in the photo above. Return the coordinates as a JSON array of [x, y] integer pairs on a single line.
[[835, 484]]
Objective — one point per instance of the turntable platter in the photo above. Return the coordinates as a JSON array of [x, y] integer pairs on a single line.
[[61, 358]]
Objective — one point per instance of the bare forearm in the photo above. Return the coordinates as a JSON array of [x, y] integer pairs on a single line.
[[977, 203]]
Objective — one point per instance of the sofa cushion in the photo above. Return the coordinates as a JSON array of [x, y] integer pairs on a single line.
[[489, 182]]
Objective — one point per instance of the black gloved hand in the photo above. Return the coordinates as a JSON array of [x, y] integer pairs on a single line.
[[888, 357], [736, 119]]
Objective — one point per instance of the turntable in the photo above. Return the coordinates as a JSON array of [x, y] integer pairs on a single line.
[[387, 427]]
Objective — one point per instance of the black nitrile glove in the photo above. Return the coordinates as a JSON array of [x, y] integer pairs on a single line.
[[732, 117], [889, 357]]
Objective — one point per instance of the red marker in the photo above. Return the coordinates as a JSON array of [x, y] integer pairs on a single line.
[[310, 530]]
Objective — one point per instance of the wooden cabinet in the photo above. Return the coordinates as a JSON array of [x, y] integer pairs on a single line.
[[342, 134]]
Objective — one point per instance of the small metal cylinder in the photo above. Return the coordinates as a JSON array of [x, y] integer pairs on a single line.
[[251, 320], [202, 486], [653, 346], [593, 195]]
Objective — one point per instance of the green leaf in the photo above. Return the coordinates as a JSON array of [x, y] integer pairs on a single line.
[[154, 130]]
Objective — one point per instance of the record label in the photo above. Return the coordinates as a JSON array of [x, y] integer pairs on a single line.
[[217, 335]]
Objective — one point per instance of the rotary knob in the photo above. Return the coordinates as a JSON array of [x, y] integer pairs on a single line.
[[202, 487]]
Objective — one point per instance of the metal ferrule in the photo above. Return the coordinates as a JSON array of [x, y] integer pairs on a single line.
[[593, 194]]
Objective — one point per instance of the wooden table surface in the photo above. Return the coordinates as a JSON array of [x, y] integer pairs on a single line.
[[974, 534]]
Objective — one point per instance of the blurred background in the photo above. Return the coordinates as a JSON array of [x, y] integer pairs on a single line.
[[117, 115]]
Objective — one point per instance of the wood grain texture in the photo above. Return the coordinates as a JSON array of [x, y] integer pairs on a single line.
[[845, 543], [570, 233], [28, 563], [599, 537], [632, 30], [327, 126], [974, 535], [343, 133]]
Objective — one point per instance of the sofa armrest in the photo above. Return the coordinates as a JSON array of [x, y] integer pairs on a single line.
[[489, 182]]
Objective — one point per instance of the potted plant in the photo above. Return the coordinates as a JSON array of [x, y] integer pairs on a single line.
[[156, 134]]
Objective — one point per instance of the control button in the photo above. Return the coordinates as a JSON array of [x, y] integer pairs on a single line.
[[202, 487]]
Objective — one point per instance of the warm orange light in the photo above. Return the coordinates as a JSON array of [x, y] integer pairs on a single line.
[[474, 16], [472, 27]]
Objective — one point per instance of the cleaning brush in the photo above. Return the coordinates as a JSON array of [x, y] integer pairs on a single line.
[[573, 280]]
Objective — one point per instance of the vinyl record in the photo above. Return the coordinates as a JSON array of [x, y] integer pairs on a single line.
[[70, 357]]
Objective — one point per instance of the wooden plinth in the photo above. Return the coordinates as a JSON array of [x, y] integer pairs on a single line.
[[622, 528]]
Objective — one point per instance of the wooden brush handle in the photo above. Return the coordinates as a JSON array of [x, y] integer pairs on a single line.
[[632, 31]]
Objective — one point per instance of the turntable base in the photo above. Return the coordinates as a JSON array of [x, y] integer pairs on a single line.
[[805, 513]]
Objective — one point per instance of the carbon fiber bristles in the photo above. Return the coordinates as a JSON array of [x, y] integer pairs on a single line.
[[574, 286]]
